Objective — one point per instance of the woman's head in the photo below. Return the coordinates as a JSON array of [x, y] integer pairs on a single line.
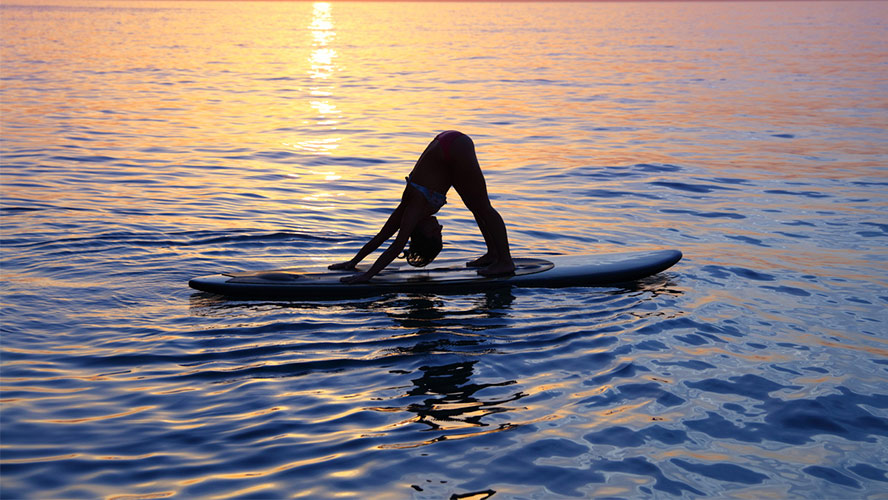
[[425, 242]]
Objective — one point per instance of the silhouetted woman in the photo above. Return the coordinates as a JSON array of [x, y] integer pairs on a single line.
[[449, 160]]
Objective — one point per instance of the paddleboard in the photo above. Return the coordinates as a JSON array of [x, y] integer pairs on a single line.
[[438, 277]]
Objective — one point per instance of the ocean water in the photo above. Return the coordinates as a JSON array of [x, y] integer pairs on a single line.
[[145, 143]]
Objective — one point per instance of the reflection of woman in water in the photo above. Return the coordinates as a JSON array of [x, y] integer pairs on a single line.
[[449, 160]]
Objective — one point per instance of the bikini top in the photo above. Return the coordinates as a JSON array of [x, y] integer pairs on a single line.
[[435, 199]]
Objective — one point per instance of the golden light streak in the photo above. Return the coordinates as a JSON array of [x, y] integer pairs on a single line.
[[47, 390], [262, 473], [145, 496], [713, 352], [53, 458], [98, 418], [321, 68], [249, 492]]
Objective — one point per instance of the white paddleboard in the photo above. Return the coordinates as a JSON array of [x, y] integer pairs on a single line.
[[439, 277]]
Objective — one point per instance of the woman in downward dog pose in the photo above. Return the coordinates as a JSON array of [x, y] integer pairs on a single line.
[[449, 160]]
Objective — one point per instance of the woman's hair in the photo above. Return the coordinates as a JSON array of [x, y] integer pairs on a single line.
[[422, 248]]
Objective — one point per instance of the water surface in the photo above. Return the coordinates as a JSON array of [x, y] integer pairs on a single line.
[[145, 143]]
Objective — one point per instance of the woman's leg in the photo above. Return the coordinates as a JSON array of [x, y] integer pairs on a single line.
[[471, 187]]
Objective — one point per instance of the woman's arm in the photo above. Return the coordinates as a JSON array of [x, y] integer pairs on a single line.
[[409, 220], [388, 229]]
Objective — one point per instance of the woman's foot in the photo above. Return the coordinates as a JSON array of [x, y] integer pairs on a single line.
[[498, 269], [483, 261]]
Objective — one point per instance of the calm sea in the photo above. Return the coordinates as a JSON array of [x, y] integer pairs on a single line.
[[145, 143]]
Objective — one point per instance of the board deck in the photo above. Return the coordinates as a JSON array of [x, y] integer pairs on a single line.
[[439, 277]]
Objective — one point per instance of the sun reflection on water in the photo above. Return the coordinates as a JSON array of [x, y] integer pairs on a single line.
[[321, 69], [321, 62]]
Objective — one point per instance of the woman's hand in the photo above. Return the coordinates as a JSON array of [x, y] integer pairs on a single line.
[[355, 278], [341, 266]]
